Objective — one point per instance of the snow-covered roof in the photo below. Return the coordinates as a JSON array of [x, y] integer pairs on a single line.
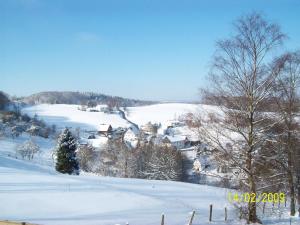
[[175, 123], [130, 137], [175, 138], [98, 142], [104, 127], [134, 130]]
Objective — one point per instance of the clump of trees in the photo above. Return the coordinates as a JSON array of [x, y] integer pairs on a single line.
[[15, 123], [66, 161], [244, 80], [147, 161], [115, 159]]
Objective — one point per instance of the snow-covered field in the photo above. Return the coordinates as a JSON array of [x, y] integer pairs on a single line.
[[159, 113], [36, 193], [163, 113], [69, 116]]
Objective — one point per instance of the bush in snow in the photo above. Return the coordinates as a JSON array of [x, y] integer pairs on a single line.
[[66, 161], [28, 149], [9, 117], [86, 155]]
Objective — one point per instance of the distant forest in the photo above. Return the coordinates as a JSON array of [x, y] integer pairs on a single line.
[[80, 98]]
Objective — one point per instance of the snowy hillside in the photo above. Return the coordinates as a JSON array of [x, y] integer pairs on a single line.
[[68, 115], [159, 113], [163, 113], [38, 194]]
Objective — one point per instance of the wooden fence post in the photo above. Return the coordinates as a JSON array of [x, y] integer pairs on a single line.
[[162, 219], [210, 212], [225, 214], [241, 213], [192, 217]]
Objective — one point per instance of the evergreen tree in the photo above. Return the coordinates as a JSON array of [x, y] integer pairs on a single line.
[[66, 161]]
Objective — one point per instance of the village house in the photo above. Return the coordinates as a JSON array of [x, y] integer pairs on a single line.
[[174, 123], [131, 137], [177, 141], [105, 129], [149, 128], [119, 132]]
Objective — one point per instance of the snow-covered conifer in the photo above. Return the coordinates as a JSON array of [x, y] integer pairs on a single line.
[[66, 161]]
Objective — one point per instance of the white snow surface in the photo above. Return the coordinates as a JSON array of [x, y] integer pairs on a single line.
[[164, 113], [70, 116], [159, 113], [37, 194]]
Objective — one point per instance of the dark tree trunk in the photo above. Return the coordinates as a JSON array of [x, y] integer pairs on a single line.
[[252, 217], [290, 177], [292, 194], [298, 193]]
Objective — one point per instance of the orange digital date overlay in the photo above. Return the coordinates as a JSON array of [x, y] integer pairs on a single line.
[[264, 197]]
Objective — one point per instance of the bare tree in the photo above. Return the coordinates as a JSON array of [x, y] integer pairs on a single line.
[[124, 159], [112, 104], [287, 139], [116, 159], [86, 157], [241, 80], [161, 163], [28, 149]]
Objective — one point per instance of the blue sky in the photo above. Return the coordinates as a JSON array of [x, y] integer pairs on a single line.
[[146, 49]]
